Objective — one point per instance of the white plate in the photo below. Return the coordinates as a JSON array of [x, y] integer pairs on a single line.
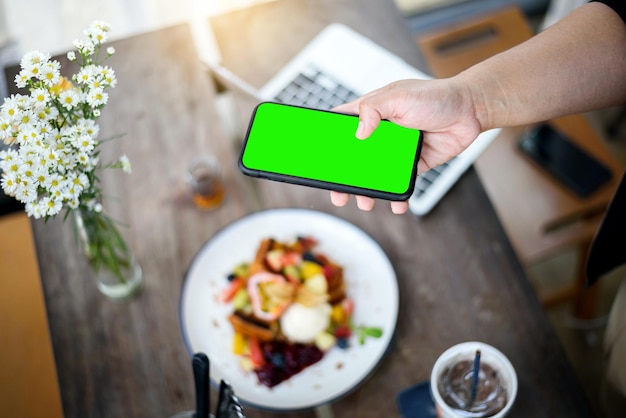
[[371, 283]]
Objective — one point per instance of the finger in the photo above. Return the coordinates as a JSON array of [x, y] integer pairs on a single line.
[[364, 203], [339, 199], [399, 207], [350, 107]]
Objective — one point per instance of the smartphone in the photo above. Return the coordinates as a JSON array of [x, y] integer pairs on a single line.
[[565, 161], [318, 148]]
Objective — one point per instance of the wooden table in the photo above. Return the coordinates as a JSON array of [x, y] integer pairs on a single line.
[[458, 276]]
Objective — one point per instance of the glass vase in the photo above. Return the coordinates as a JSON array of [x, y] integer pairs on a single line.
[[117, 272]]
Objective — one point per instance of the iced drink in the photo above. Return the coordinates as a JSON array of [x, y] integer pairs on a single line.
[[459, 392]]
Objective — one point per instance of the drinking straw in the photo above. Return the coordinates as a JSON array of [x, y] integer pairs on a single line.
[[475, 374]]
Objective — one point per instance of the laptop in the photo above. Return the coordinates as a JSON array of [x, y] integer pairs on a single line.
[[338, 66]]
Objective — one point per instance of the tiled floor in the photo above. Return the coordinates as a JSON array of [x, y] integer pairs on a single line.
[[64, 21]]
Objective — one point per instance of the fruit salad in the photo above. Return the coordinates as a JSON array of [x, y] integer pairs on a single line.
[[289, 307]]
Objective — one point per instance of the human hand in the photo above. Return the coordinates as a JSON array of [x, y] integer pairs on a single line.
[[442, 109]]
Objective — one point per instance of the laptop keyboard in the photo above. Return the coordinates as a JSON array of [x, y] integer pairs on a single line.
[[425, 180], [316, 90], [312, 88]]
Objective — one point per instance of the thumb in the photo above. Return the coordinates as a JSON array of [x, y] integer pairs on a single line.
[[369, 119]]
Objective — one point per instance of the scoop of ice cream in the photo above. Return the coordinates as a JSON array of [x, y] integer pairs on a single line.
[[301, 323]]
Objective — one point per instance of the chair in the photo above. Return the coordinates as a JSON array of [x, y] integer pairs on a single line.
[[539, 215]]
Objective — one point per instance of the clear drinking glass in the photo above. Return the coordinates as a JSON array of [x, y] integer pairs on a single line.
[[204, 178], [452, 376]]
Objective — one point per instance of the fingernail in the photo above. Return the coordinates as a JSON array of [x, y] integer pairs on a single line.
[[359, 130]]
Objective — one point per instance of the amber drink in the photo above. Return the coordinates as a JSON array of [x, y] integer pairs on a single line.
[[204, 178], [459, 392]]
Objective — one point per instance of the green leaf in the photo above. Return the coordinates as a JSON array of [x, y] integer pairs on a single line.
[[373, 332], [364, 332]]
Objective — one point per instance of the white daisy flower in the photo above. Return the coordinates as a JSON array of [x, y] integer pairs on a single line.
[[51, 206], [21, 79], [94, 205], [28, 174], [11, 107], [88, 127], [125, 164], [8, 183], [41, 175], [50, 73], [96, 34], [25, 119], [51, 158], [66, 162], [96, 83], [10, 163], [88, 47], [97, 97], [69, 99], [34, 58], [25, 192], [23, 101], [84, 143], [82, 180], [40, 97], [22, 137], [99, 24], [51, 113], [72, 192], [32, 70], [86, 74], [110, 50], [71, 55], [6, 127], [78, 44], [54, 182], [8, 156], [33, 209], [73, 203], [83, 158], [105, 71], [27, 134]]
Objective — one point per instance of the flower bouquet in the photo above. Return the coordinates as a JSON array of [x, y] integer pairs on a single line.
[[52, 160]]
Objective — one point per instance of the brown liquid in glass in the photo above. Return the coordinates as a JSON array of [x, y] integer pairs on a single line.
[[455, 385], [208, 192]]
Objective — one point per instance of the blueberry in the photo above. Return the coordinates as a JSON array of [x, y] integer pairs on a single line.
[[278, 360], [343, 343], [231, 277], [309, 256]]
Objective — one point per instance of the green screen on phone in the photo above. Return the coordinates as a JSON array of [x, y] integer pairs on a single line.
[[319, 148]]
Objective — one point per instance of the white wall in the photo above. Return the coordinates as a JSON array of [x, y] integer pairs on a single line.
[[52, 25]]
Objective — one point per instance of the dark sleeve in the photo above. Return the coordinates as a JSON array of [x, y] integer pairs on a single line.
[[618, 5]]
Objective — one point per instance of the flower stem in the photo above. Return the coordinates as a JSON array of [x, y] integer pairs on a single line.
[[103, 245]]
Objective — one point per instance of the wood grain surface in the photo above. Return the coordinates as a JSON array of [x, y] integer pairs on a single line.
[[458, 276]]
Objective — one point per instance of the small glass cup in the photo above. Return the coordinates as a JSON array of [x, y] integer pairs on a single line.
[[204, 178], [453, 371]]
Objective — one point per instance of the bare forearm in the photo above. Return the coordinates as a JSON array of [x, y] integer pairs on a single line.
[[577, 65]]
